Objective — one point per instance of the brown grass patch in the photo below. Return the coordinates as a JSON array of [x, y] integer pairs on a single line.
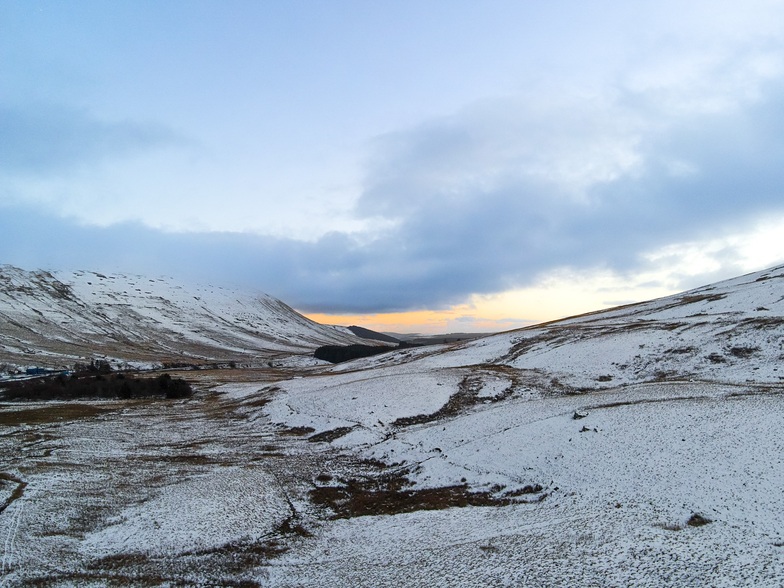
[[195, 459], [296, 431], [390, 494], [465, 396], [50, 414], [331, 435], [743, 352], [17, 492], [697, 520], [352, 501], [702, 298]]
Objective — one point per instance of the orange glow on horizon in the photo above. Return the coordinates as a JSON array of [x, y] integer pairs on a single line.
[[418, 321], [457, 319], [557, 296]]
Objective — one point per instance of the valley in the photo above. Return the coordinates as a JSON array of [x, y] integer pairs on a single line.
[[633, 446]]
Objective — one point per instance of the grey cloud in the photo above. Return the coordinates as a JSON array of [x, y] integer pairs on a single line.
[[500, 229], [474, 215], [39, 139]]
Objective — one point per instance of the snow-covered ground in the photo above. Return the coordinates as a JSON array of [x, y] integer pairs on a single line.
[[53, 319], [633, 447], [187, 517], [632, 421]]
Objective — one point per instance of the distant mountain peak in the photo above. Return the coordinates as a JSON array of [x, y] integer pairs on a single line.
[[372, 335], [53, 318]]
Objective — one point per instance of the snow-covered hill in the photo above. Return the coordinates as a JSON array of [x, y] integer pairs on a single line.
[[637, 446], [728, 332], [611, 437], [732, 332], [52, 319]]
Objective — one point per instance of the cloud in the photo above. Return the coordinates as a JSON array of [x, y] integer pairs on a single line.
[[487, 199], [475, 208], [41, 139]]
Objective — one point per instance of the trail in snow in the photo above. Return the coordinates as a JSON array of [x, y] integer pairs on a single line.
[[8, 544]]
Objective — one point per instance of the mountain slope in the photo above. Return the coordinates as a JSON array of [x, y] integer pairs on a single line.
[[54, 319], [632, 446], [372, 335], [637, 446], [730, 332], [715, 338]]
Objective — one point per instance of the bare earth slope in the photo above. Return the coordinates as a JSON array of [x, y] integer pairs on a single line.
[[53, 319], [638, 446]]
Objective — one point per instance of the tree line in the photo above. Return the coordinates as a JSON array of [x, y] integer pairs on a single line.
[[95, 385]]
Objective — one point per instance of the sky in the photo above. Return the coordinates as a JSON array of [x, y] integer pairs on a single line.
[[409, 166]]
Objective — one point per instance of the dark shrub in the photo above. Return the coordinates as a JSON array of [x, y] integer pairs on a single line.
[[93, 385], [339, 353]]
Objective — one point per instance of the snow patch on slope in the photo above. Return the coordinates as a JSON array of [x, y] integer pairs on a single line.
[[55, 318], [190, 516]]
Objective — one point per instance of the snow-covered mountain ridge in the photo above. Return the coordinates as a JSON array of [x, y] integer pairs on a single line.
[[52, 319], [722, 339], [727, 332], [636, 446], [731, 331]]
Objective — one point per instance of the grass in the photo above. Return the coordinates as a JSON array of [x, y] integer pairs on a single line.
[[356, 500], [295, 431], [17, 492], [217, 566], [331, 435], [390, 493], [51, 413], [465, 396], [691, 299], [695, 520], [743, 352]]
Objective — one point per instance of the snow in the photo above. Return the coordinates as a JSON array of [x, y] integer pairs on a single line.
[[370, 400], [618, 497], [600, 437], [190, 516], [56, 318], [681, 402], [555, 544]]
